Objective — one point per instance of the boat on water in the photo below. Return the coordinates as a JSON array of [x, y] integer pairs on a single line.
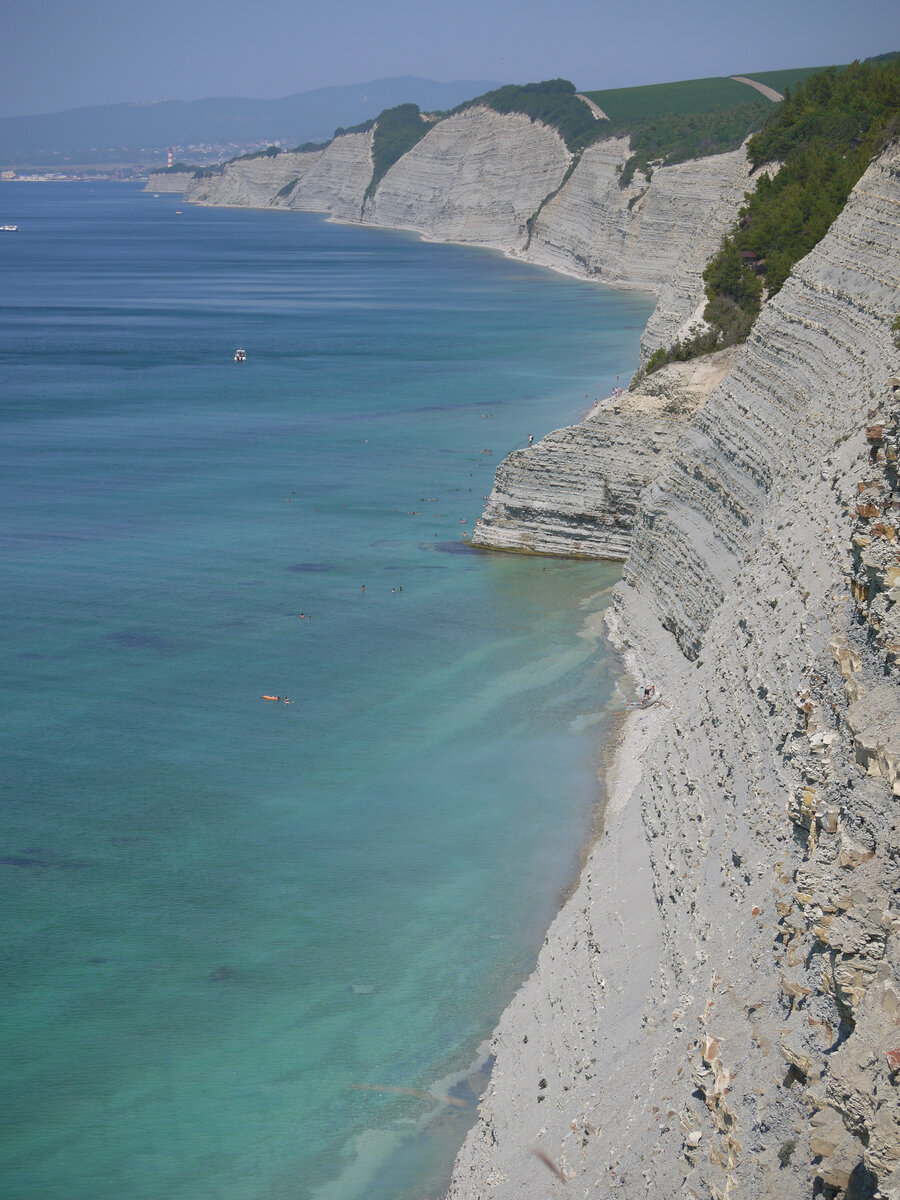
[[9, 229], [240, 356]]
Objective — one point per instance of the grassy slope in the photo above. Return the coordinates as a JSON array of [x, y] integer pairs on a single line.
[[779, 80], [623, 105]]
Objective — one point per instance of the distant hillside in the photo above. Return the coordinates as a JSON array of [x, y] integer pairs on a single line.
[[142, 132]]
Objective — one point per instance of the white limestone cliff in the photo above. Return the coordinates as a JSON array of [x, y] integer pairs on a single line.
[[656, 236], [169, 181], [576, 491], [510, 183], [336, 182], [475, 177], [250, 182], [716, 1010]]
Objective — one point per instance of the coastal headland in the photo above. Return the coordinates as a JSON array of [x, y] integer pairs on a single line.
[[716, 1010]]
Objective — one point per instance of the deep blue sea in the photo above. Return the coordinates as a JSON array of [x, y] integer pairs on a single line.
[[231, 926]]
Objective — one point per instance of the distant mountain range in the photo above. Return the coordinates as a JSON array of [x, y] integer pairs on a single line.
[[141, 133]]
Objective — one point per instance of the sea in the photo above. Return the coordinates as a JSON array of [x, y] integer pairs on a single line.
[[254, 948]]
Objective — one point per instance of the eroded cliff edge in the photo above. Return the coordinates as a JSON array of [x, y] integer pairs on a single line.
[[576, 492], [716, 1011]]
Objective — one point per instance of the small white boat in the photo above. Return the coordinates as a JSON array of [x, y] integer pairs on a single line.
[[240, 356], [9, 229]]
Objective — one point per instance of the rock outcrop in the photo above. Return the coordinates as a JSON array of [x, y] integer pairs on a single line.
[[250, 182], [169, 181], [576, 491], [716, 1011], [336, 182], [656, 236], [475, 177]]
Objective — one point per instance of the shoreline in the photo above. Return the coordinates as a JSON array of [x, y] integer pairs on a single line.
[[508, 252]]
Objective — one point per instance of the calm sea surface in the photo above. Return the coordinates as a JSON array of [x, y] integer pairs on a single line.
[[221, 914]]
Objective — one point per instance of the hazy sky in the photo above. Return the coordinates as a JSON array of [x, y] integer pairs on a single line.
[[57, 54]]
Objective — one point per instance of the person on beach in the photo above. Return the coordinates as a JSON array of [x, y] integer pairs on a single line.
[[530, 438]]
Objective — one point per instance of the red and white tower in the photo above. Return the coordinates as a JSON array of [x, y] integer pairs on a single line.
[[171, 157]]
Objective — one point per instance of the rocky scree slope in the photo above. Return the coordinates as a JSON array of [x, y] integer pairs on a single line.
[[716, 1011]]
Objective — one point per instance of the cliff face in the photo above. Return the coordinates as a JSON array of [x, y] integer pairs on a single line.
[[717, 1009], [251, 182], [336, 182], [475, 177], [657, 236], [332, 180], [576, 491], [504, 181], [166, 181]]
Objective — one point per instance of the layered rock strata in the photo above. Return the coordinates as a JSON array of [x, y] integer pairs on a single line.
[[332, 180], [576, 491], [657, 236], [475, 177], [716, 1011], [169, 181], [336, 182], [250, 182]]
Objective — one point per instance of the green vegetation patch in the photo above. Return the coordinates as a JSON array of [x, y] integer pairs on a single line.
[[679, 137], [674, 122], [397, 130], [269, 152], [308, 147], [629, 106], [824, 135], [782, 80], [553, 102]]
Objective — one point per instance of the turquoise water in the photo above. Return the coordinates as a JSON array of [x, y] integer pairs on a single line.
[[223, 914]]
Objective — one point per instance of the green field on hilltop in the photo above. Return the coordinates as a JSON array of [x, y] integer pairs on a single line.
[[779, 80], [626, 105]]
